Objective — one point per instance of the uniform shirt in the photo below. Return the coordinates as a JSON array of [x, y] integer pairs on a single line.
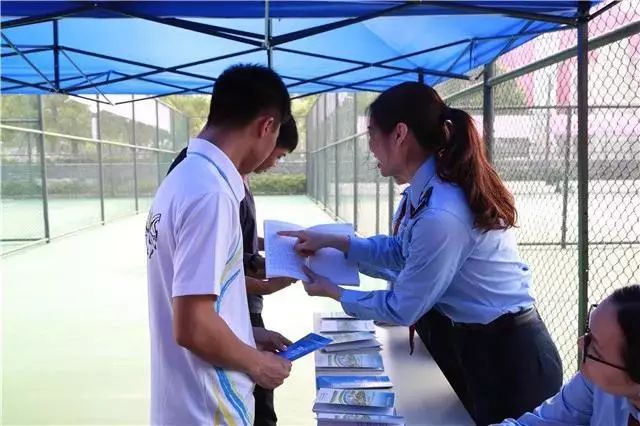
[[194, 247], [375, 271], [579, 402], [469, 275]]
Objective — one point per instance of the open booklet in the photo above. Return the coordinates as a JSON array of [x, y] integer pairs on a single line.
[[283, 261]]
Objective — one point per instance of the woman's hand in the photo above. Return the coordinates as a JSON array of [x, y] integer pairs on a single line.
[[309, 242], [321, 286]]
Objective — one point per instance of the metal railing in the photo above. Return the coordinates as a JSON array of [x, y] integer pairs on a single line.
[[55, 184]]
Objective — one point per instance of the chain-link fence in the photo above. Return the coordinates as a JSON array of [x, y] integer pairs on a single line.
[[534, 147], [70, 163]]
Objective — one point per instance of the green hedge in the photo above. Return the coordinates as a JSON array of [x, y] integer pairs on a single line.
[[275, 184], [268, 184], [24, 189]]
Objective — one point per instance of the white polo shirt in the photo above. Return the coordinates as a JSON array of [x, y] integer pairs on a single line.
[[194, 247]]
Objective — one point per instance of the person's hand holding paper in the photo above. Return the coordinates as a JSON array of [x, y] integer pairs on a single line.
[[290, 248], [317, 285], [268, 340]]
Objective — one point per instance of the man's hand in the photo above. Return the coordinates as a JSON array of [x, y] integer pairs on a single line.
[[321, 286], [270, 370], [277, 284], [268, 340], [256, 269]]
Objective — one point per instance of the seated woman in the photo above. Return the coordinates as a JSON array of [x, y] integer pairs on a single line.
[[606, 391]]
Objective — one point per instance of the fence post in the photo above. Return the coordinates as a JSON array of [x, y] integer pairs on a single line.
[[43, 172], [336, 149], [583, 166], [316, 147], [100, 162], [158, 141], [565, 185], [135, 153], [488, 111], [355, 161], [325, 152]]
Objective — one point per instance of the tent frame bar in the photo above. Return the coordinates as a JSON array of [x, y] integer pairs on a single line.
[[321, 29], [367, 64], [506, 12], [268, 42]]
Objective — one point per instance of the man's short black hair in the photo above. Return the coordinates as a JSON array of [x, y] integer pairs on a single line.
[[243, 92], [288, 137]]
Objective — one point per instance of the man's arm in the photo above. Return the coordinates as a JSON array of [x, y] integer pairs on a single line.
[[198, 328], [200, 268], [264, 287]]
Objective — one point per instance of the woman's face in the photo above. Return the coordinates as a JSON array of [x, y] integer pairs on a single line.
[[385, 148], [607, 343]]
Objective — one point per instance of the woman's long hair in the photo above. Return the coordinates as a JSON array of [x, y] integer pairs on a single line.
[[450, 135], [627, 302]]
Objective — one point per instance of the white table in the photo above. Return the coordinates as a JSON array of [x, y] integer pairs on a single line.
[[423, 395]]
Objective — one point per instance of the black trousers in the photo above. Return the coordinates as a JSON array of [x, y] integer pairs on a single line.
[[499, 370], [265, 412], [434, 330]]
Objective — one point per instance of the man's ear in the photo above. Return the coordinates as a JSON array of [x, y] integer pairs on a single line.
[[266, 124]]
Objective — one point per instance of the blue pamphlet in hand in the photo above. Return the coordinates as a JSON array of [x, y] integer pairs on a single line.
[[309, 343]]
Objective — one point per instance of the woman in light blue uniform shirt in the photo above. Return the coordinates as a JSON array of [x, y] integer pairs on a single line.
[[456, 253], [606, 391]]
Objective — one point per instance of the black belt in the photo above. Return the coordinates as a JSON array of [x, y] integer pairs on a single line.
[[505, 321]]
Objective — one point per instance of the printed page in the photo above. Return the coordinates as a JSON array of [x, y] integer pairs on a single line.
[[281, 260]]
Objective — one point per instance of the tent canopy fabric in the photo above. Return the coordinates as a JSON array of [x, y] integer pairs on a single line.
[[160, 47]]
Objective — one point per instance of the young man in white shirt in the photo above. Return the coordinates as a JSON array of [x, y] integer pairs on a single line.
[[204, 361]]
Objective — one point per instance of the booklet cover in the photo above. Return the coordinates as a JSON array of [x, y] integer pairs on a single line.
[[353, 382], [341, 326], [309, 343], [358, 336], [356, 401], [281, 260], [329, 419], [357, 397], [336, 315], [369, 361]]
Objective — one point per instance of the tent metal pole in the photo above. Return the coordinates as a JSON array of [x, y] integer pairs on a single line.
[[583, 166], [43, 172], [21, 22], [488, 111], [100, 161], [135, 154]]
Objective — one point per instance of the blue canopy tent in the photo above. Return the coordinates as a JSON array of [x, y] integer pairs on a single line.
[[159, 48]]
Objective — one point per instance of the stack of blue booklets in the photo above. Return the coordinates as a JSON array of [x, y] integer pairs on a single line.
[[352, 388]]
